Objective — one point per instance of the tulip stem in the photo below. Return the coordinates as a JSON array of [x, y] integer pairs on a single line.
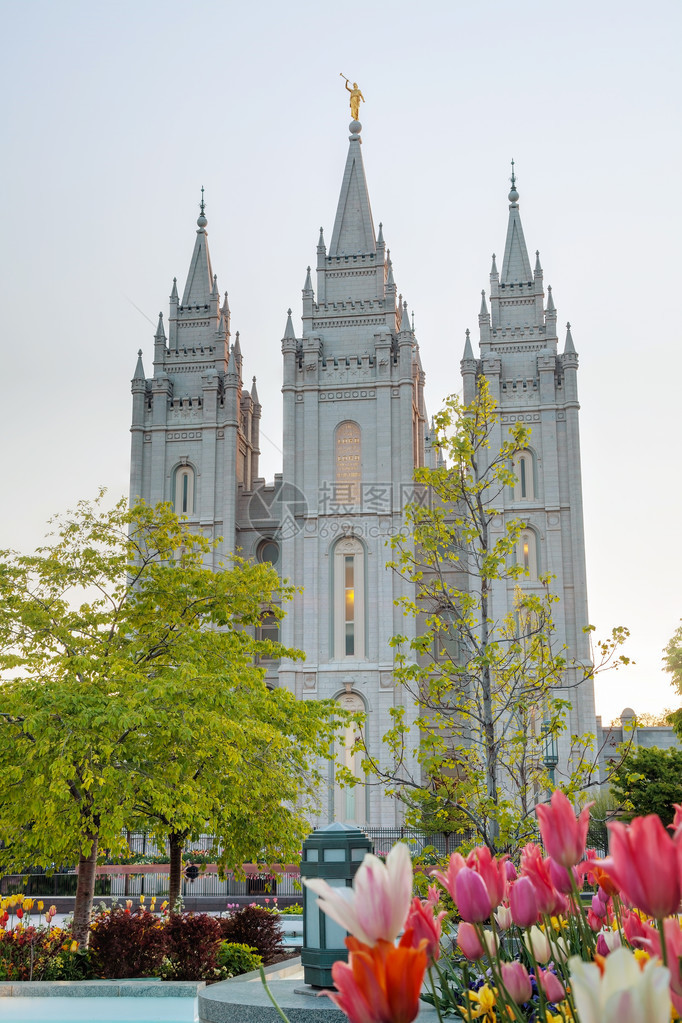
[[436, 998], [271, 996], [664, 950], [536, 970]]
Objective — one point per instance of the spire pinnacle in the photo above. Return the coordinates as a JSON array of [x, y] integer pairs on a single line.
[[493, 268], [225, 307], [308, 286], [139, 368], [174, 290], [254, 393], [232, 370], [569, 347], [468, 350], [200, 284], [237, 348], [353, 233], [484, 307], [215, 293], [201, 220], [160, 332], [320, 242], [515, 265], [550, 299], [405, 320], [513, 195], [289, 333], [538, 267], [380, 239]]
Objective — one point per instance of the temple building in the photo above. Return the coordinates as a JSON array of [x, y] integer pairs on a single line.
[[355, 428]]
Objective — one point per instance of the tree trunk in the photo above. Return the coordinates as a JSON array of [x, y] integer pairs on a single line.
[[85, 893], [175, 878]]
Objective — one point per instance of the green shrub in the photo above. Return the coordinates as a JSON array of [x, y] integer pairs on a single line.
[[256, 927], [237, 958], [295, 910]]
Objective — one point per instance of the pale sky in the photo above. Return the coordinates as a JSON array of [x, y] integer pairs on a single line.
[[115, 115]]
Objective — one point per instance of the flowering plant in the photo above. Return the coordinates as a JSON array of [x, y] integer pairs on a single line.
[[532, 943]]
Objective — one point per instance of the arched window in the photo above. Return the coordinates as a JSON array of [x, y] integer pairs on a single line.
[[350, 801], [524, 470], [349, 600], [348, 463], [527, 553], [183, 491], [268, 629]]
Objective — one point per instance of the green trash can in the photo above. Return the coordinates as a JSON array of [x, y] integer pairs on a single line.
[[333, 853]]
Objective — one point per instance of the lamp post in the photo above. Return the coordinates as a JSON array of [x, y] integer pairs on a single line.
[[550, 757], [333, 853]]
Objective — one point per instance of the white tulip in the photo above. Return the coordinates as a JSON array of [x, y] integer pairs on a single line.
[[624, 993]]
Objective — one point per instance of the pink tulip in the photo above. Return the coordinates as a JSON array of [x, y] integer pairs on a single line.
[[492, 872], [552, 987], [563, 835], [636, 932], [645, 864], [517, 982], [594, 922], [598, 907], [469, 941], [536, 868], [471, 896], [523, 902], [561, 877], [510, 870], [676, 826], [425, 925], [455, 864], [433, 895], [376, 907]]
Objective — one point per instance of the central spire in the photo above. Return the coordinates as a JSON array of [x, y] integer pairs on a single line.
[[515, 265], [353, 233], [200, 283]]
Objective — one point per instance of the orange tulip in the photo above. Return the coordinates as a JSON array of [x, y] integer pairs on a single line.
[[381, 982]]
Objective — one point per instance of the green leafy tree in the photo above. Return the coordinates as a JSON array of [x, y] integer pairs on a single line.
[[130, 692], [492, 694], [648, 780]]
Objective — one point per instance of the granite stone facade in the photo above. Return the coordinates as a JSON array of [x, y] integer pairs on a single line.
[[355, 428]]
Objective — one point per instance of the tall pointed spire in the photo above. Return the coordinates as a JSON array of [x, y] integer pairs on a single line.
[[174, 291], [139, 368], [569, 347], [515, 265], [484, 307], [550, 299], [405, 320], [160, 332], [468, 350], [493, 268], [353, 233], [199, 286], [254, 393], [308, 286], [289, 332]]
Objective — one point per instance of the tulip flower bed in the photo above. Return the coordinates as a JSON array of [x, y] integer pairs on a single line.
[[526, 947]]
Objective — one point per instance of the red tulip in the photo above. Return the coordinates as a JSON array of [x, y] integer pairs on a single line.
[[380, 983], [645, 864], [469, 941], [563, 834], [471, 896], [425, 926], [537, 869], [517, 982], [636, 932], [523, 902], [20, 912]]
